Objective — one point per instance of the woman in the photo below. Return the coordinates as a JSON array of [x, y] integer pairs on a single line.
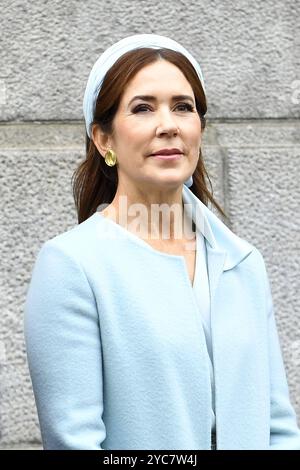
[[137, 340]]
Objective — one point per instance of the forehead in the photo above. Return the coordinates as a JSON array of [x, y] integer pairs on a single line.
[[159, 78]]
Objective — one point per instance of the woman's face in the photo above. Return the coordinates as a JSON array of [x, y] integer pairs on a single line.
[[144, 126]]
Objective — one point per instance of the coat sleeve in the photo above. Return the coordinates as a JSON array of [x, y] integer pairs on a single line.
[[62, 338], [284, 430]]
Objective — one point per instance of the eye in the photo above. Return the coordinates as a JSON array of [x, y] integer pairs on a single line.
[[139, 108], [188, 106], [142, 107]]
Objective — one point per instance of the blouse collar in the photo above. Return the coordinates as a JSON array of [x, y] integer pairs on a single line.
[[216, 233]]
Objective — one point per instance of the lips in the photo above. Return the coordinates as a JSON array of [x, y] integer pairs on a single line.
[[175, 156], [173, 151]]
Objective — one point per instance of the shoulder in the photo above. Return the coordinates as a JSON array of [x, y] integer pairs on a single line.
[[76, 242], [258, 261], [255, 263], [83, 248], [59, 266]]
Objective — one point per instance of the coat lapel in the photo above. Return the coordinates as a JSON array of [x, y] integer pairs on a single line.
[[225, 250]]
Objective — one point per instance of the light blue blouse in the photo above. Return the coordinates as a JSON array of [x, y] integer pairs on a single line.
[[201, 290]]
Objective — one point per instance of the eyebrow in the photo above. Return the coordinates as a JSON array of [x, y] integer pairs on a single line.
[[152, 98]]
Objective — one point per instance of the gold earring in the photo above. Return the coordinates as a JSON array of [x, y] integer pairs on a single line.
[[110, 158]]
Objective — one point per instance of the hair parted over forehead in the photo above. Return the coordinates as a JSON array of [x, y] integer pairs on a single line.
[[94, 183], [121, 74]]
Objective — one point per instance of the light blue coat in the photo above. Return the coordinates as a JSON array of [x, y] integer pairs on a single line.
[[117, 353]]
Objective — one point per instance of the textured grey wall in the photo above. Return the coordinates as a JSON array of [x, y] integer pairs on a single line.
[[250, 56]]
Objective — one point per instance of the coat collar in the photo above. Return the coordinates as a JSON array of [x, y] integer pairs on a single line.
[[220, 238]]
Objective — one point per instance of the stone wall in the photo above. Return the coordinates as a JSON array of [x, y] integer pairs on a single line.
[[250, 57]]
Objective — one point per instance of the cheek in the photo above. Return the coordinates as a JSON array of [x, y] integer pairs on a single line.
[[133, 134], [194, 138], [198, 133], [192, 128]]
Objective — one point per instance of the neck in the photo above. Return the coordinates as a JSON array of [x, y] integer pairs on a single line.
[[159, 216]]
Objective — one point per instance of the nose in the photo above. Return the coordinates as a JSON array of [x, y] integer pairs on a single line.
[[166, 124]]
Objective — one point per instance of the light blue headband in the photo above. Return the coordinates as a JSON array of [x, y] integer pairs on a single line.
[[112, 54]]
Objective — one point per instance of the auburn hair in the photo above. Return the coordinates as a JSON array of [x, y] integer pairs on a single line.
[[93, 181]]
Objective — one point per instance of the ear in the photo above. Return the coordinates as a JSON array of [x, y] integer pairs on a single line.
[[100, 139]]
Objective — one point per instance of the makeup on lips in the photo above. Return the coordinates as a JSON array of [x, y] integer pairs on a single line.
[[167, 154]]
